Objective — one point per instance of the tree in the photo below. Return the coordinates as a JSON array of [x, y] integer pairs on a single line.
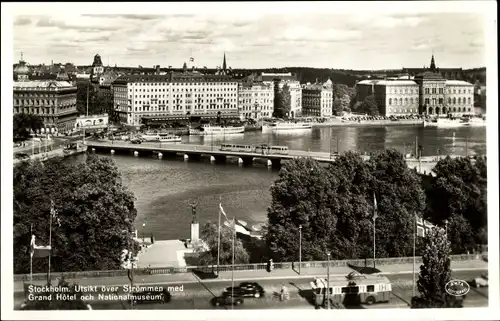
[[337, 107], [23, 123], [342, 93], [369, 106], [72, 300], [458, 193], [207, 253], [435, 272], [95, 214], [282, 102], [334, 205]]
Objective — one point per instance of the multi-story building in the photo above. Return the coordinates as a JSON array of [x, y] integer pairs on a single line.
[[278, 80], [174, 94], [394, 97], [54, 101], [427, 93], [317, 99], [256, 100], [459, 98]]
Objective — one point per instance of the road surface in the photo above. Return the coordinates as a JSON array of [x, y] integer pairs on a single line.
[[198, 295]]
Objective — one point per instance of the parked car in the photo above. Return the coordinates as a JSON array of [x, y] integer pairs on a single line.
[[246, 289], [136, 141], [226, 299], [481, 281], [151, 296]]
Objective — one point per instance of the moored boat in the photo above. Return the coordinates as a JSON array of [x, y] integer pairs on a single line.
[[286, 126], [161, 137], [208, 129]]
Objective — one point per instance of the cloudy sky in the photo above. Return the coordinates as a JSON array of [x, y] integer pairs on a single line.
[[253, 37]]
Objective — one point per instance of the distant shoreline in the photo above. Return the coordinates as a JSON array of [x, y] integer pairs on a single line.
[[339, 123]]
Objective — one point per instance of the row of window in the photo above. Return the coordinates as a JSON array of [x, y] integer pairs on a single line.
[[461, 101], [180, 96], [43, 102], [404, 91], [249, 101], [182, 89], [186, 84], [179, 107], [256, 94], [180, 101]]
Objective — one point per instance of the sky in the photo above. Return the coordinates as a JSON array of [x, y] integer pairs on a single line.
[[253, 36]]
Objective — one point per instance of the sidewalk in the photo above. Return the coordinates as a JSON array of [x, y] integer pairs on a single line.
[[183, 278]]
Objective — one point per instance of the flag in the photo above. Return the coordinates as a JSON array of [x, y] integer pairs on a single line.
[[374, 207], [191, 59], [36, 250], [53, 213], [222, 211]]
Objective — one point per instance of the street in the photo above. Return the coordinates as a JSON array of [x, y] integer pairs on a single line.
[[198, 295]]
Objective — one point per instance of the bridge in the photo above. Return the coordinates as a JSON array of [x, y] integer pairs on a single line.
[[195, 152]]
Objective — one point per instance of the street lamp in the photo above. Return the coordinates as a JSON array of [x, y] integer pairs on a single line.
[[300, 247], [328, 281], [143, 225]]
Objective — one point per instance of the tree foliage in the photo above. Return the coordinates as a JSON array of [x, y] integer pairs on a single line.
[[72, 300], [334, 205], [209, 234], [342, 94], [23, 123], [95, 214], [458, 193], [369, 106], [435, 271], [282, 102]]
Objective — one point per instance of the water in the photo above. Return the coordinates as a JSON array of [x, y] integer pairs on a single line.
[[164, 188]]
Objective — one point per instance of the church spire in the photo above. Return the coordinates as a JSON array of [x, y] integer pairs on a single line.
[[433, 64], [224, 62]]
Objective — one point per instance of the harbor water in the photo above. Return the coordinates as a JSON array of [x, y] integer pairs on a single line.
[[164, 188]]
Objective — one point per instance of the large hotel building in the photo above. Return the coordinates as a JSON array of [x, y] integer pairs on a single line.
[[52, 100], [256, 99], [427, 93], [189, 93]]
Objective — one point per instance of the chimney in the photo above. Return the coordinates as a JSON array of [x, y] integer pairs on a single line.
[[158, 69]]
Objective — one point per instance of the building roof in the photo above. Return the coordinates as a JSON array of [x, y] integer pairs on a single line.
[[429, 75], [386, 82], [42, 84], [174, 77], [457, 83]]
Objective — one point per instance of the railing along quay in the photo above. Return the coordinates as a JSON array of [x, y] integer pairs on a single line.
[[237, 267]]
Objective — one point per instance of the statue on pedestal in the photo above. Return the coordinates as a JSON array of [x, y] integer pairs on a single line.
[[193, 211]]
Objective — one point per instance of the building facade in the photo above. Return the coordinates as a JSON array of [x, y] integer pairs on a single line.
[[256, 100], [53, 101], [278, 80], [174, 94], [459, 97], [427, 93], [317, 100]]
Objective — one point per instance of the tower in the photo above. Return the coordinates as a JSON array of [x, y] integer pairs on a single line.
[[224, 63], [433, 64]]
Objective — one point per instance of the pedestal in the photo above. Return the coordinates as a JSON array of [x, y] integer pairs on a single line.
[[195, 232]]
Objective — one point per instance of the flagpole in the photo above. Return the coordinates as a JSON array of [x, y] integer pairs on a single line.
[[50, 238], [218, 245], [414, 236], [374, 231], [31, 254], [232, 270]]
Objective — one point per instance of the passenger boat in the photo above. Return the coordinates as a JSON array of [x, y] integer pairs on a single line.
[[208, 129], [161, 137], [443, 123], [474, 122], [286, 126]]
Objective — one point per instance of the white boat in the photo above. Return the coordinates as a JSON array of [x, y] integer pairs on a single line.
[[216, 130], [443, 123], [161, 137], [286, 126], [474, 122]]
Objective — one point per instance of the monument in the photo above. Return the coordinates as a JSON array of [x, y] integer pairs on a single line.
[[195, 226]]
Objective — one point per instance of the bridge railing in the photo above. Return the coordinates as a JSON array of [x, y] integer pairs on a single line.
[[237, 267]]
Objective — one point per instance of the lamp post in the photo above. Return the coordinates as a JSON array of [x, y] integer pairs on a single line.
[[328, 281], [414, 237], [300, 247], [446, 227], [143, 226]]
